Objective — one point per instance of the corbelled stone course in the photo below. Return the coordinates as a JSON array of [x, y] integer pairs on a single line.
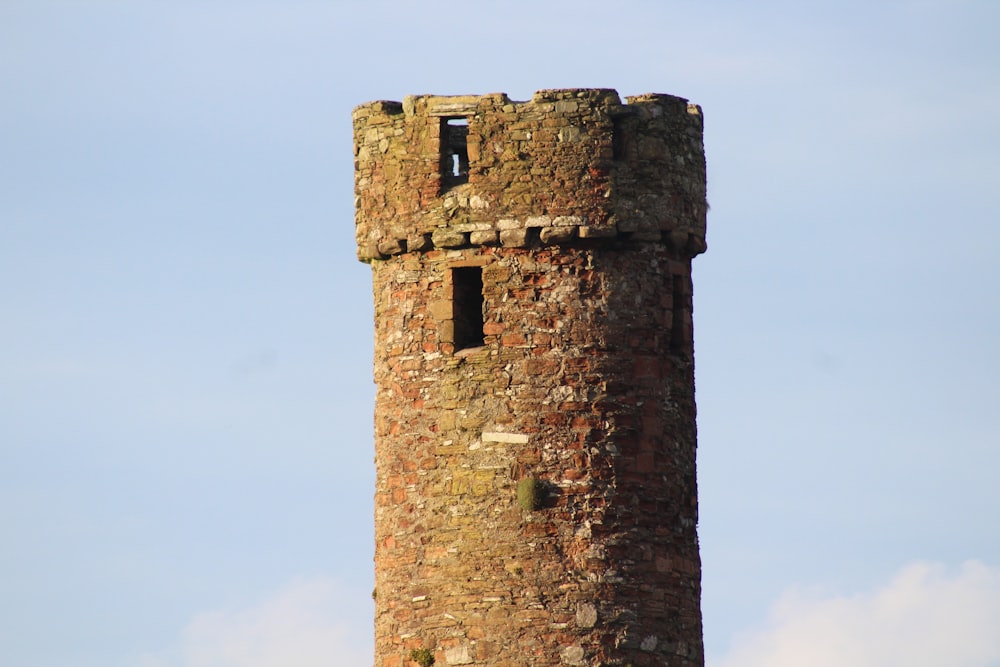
[[536, 500]]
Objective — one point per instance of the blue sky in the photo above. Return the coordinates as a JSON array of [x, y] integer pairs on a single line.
[[185, 349]]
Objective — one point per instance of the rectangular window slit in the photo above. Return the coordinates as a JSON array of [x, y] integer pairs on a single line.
[[680, 326], [467, 306], [619, 139], [454, 151]]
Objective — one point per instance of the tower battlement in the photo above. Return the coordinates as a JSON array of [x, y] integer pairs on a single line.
[[483, 170]]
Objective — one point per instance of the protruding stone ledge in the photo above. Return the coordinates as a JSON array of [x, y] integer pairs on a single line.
[[531, 232], [448, 238]]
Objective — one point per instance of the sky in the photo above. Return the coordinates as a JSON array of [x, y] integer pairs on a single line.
[[186, 467]]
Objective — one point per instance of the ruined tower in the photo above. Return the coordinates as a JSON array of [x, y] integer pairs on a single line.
[[535, 502]]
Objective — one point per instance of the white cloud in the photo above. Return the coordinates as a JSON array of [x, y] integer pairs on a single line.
[[308, 623], [926, 616]]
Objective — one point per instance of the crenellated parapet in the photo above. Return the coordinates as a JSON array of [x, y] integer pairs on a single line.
[[567, 166]]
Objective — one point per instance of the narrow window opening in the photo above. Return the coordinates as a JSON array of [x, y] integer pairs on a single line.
[[467, 306], [681, 325], [454, 152], [619, 138]]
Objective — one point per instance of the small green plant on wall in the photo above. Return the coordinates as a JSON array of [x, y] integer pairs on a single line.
[[530, 494], [422, 656]]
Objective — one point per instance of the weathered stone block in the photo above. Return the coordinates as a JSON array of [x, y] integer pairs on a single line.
[[556, 234], [458, 655], [514, 238], [491, 237], [448, 238]]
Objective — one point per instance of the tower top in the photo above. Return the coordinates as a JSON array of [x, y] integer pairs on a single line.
[[568, 165]]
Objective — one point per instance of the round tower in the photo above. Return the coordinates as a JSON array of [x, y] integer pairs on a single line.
[[536, 500]]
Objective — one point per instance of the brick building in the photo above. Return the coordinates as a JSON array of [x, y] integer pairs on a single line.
[[536, 500]]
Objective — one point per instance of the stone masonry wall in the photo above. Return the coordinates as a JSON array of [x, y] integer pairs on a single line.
[[582, 388]]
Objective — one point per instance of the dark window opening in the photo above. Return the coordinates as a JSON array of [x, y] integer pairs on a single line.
[[454, 152], [619, 138], [467, 306], [680, 322]]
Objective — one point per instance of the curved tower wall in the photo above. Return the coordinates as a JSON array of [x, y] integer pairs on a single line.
[[536, 496]]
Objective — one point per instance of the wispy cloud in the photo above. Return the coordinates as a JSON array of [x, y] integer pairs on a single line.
[[307, 623], [926, 616]]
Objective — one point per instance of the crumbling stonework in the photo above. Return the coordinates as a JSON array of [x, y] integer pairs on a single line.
[[535, 502]]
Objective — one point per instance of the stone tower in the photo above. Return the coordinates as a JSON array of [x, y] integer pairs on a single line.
[[535, 502]]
